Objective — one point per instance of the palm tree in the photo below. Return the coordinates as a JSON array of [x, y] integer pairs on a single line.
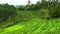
[[29, 2], [28, 5]]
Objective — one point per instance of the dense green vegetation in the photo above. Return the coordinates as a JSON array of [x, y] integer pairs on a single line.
[[40, 18], [34, 26], [6, 11], [51, 8]]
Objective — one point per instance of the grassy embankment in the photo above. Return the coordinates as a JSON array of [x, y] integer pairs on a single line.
[[34, 26]]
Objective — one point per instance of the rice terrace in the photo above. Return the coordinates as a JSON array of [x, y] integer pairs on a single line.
[[42, 17]]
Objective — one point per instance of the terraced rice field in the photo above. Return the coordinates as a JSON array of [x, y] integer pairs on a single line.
[[34, 26]]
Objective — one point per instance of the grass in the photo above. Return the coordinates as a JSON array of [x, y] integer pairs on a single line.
[[34, 26]]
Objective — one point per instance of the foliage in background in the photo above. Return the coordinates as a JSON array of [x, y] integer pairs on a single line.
[[48, 9]]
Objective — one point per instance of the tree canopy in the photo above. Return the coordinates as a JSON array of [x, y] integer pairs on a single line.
[[6, 11]]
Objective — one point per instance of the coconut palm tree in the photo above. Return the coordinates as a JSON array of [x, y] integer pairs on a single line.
[[29, 2]]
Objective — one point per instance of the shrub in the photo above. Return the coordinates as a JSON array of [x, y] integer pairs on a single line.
[[44, 13]]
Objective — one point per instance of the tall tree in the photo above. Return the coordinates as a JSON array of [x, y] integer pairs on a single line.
[[29, 2], [28, 5]]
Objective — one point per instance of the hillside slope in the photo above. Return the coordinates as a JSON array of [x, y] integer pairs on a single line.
[[34, 26]]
